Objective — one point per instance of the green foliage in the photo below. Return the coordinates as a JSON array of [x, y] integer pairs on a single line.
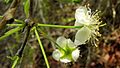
[[27, 7], [10, 32], [15, 60], [71, 1], [76, 1], [7, 1]]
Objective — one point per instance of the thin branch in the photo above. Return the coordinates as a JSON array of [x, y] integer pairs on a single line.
[[20, 51]]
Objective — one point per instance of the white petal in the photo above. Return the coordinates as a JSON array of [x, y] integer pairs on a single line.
[[56, 55], [77, 23], [75, 54], [70, 43], [65, 60], [80, 12], [82, 35], [61, 41], [82, 15]]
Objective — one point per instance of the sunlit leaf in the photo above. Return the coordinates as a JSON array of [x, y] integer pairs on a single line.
[[27, 7], [10, 32]]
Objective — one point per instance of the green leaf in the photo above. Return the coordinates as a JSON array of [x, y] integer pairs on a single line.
[[27, 7], [9, 57], [16, 60], [7, 1], [13, 25], [10, 32]]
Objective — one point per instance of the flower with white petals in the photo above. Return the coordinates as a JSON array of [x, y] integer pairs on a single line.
[[66, 51], [90, 23]]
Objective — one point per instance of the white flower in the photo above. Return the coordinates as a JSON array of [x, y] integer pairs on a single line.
[[82, 36], [82, 16], [89, 22], [66, 51]]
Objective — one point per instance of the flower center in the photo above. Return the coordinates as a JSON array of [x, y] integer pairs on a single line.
[[67, 53]]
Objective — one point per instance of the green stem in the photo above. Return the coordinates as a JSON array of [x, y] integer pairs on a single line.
[[20, 21], [59, 26], [47, 25], [15, 25], [16, 20], [103, 25], [15, 61], [41, 46]]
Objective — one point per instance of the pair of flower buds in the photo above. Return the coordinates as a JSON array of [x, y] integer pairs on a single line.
[[68, 51]]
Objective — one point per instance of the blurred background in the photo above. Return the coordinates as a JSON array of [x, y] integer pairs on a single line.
[[62, 12]]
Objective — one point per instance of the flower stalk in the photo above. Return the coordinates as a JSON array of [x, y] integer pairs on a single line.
[[59, 26], [41, 46]]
